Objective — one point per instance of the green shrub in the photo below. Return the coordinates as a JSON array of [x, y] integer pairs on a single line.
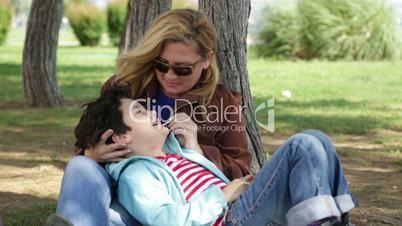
[[349, 29], [66, 3], [279, 35], [88, 23], [6, 15], [332, 30], [116, 15]]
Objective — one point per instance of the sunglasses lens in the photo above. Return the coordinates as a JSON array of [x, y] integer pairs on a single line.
[[183, 71], [161, 67]]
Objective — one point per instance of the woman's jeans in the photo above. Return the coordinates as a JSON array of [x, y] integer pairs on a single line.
[[303, 182], [86, 196]]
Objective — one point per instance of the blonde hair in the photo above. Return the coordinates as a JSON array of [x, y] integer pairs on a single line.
[[180, 25]]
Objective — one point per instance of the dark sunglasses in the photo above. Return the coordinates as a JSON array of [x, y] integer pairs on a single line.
[[183, 70]]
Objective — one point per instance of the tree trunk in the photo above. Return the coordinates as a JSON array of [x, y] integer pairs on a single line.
[[140, 15], [230, 18], [40, 51]]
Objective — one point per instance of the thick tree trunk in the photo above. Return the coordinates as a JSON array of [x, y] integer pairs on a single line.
[[231, 20], [140, 15], [40, 51]]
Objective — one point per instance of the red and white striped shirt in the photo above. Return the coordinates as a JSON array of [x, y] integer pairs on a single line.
[[193, 178]]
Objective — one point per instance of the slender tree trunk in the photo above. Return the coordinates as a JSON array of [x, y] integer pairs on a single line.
[[231, 20], [40, 51], [140, 15]]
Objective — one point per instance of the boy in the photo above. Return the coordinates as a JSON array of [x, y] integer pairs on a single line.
[[162, 183]]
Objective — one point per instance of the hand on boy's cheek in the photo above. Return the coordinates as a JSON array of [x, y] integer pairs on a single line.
[[104, 151]]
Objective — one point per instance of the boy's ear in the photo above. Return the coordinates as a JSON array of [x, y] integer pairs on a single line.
[[121, 138]]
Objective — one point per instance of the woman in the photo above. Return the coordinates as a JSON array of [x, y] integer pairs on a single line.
[[173, 67]]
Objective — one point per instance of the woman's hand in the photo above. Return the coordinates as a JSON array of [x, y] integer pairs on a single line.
[[186, 129], [235, 188], [103, 152]]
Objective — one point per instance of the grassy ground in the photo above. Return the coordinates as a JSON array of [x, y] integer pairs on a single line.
[[359, 104]]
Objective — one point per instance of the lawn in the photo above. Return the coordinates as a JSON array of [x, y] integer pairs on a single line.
[[358, 103]]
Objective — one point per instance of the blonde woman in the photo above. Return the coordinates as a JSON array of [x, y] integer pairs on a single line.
[[173, 70]]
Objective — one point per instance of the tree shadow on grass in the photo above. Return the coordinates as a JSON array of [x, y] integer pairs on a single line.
[[77, 82], [10, 71], [290, 116], [13, 71], [22, 209], [31, 163]]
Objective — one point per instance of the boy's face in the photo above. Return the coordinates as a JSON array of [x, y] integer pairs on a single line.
[[145, 127]]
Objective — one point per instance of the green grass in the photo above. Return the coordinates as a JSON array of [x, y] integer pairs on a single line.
[[16, 37], [337, 97], [80, 71], [34, 216]]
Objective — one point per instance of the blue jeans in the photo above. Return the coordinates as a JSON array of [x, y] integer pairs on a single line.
[[302, 183], [86, 196]]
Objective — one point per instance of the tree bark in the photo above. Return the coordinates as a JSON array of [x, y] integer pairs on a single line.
[[40, 52], [140, 15], [230, 18]]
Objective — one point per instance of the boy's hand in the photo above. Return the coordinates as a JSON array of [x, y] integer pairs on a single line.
[[103, 152], [186, 129], [235, 188]]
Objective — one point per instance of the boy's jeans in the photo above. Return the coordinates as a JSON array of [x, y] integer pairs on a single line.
[[303, 182]]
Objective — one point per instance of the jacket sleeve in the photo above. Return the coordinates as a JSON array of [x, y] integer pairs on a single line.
[[148, 200], [230, 154]]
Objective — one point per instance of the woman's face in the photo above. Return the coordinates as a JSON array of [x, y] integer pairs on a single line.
[[180, 54]]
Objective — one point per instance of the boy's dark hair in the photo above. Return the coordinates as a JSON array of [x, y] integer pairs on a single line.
[[101, 115]]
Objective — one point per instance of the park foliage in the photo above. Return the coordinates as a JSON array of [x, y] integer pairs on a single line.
[[6, 15], [331, 30], [87, 21], [116, 14]]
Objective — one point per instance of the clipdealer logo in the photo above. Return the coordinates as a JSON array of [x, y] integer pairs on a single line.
[[268, 115], [264, 114]]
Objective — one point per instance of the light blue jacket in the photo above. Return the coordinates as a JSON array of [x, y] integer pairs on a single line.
[[149, 190]]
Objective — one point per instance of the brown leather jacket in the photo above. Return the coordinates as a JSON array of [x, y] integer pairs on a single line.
[[222, 136]]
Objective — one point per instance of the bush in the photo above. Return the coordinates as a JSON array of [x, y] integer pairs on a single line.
[[6, 15], [116, 15], [333, 29], [279, 35], [88, 23], [352, 30]]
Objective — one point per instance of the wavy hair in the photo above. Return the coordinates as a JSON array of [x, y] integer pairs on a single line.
[[180, 25]]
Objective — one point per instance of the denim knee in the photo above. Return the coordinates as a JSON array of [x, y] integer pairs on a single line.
[[318, 134], [81, 168], [314, 131], [307, 144], [80, 164]]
